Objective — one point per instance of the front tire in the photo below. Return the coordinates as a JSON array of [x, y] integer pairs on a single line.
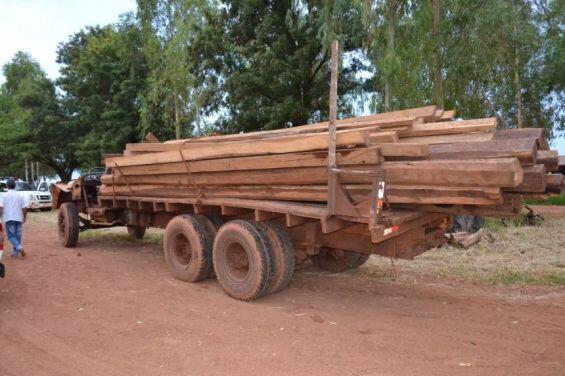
[[137, 232], [68, 224], [188, 249]]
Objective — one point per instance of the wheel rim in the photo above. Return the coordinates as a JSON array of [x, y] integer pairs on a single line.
[[181, 252], [237, 261]]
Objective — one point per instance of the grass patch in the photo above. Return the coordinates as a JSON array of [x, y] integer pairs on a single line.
[[119, 235], [509, 254], [553, 200]]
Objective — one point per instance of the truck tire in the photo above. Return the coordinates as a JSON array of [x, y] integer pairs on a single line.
[[188, 248], [242, 259], [336, 260], [68, 224], [282, 255], [212, 222], [137, 232]]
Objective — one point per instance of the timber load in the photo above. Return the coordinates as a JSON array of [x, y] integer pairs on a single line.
[[429, 162]]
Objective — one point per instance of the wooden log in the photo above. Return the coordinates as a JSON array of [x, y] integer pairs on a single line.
[[537, 133], [504, 172], [549, 158], [443, 195], [193, 151], [448, 139], [404, 150], [555, 183], [364, 156], [447, 116], [317, 193], [511, 208], [150, 137], [345, 124], [535, 180], [450, 127], [383, 137], [524, 149]]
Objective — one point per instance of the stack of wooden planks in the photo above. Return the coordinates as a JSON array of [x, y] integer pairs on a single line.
[[431, 162]]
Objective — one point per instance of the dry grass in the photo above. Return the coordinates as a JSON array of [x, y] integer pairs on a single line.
[[508, 254]]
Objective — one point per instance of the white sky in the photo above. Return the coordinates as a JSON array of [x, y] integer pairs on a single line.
[[38, 26]]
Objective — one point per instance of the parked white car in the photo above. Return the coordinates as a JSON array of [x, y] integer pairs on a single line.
[[38, 199]]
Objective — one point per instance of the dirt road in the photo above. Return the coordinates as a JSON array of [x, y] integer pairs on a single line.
[[113, 309]]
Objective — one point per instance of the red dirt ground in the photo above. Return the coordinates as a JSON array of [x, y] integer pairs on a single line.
[[114, 310]]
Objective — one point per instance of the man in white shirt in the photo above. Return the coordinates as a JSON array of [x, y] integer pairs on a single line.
[[13, 207]]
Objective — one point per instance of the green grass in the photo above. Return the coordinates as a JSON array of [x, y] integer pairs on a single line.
[[553, 200], [119, 235], [512, 277]]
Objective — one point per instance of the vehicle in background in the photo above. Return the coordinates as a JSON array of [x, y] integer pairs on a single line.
[[38, 199]]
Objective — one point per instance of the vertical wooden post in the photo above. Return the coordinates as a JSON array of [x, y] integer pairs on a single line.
[[333, 103], [332, 177], [26, 172]]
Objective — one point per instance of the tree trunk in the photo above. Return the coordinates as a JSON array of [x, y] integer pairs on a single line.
[[390, 11], [438, 92], [64, 174]]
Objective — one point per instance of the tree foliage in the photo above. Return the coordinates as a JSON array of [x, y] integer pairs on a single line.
[[32, 123], [103, 73]]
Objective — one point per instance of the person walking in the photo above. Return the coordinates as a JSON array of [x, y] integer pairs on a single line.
[[13, 208]]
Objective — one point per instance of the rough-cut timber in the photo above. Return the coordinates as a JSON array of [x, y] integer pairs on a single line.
[[525, 149], [199, 151], [549, 158], [504, 172], [537, 133]]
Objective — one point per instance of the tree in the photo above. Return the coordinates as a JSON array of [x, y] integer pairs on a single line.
[[33, 124], [275, 59], [103, 75], [177, 43]]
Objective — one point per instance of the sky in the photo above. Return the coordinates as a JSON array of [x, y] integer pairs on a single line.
[[38, 26]]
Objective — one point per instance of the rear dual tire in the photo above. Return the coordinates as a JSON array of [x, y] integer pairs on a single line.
[[250, 258], [242, 259], [187, 247]]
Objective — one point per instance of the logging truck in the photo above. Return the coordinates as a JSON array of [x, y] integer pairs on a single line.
[[252, 246]]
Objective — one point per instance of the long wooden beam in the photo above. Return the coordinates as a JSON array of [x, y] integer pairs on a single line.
[[199, 151], [505, 172], [450, 127], [525, 149]]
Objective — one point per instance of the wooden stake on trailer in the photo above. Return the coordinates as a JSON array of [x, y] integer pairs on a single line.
[[332, 175]]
